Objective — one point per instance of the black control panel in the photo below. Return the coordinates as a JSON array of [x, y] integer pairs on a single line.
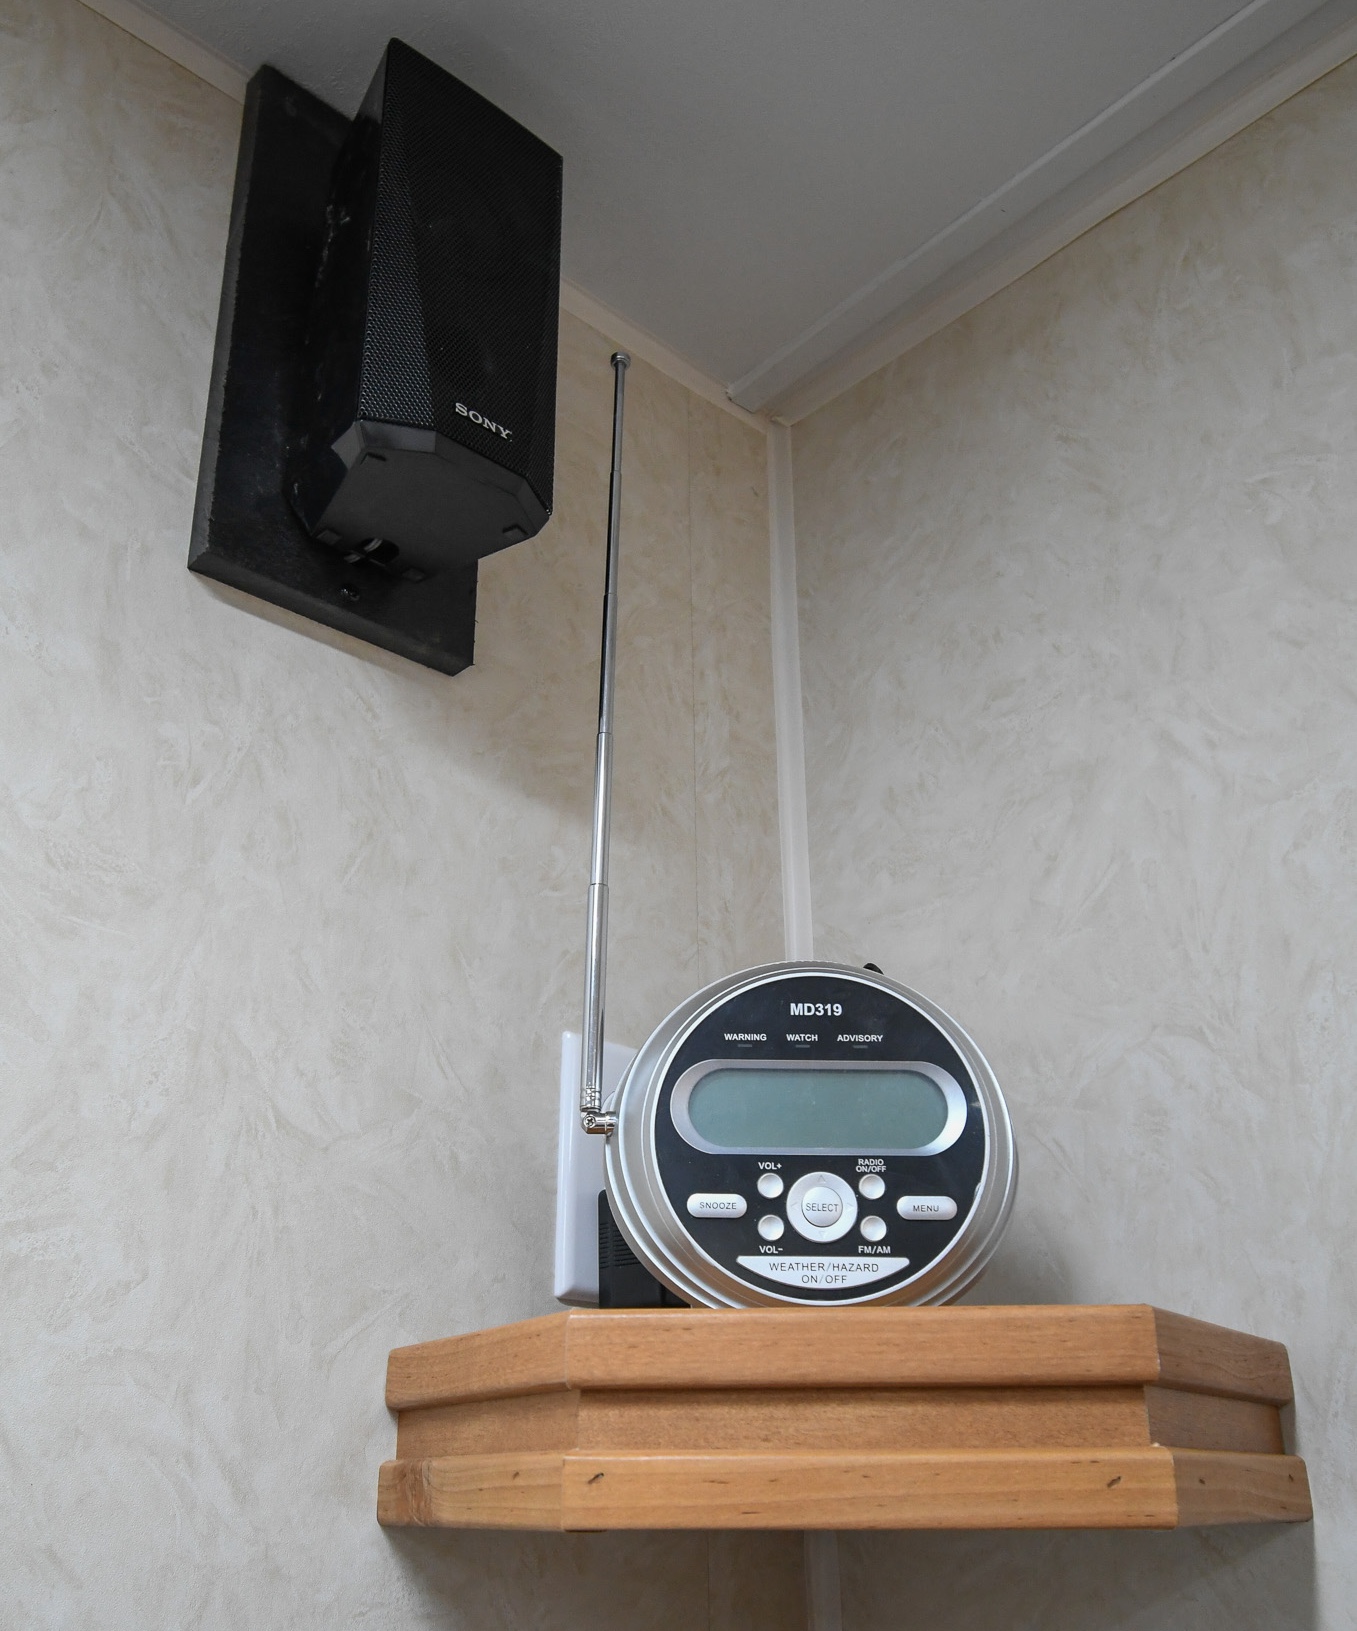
[[830, 1227]]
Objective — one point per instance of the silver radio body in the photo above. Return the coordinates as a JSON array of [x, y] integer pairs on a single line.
[[805, 1133]]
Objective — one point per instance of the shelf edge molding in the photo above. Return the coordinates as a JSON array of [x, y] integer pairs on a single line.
[[1108, 1417]]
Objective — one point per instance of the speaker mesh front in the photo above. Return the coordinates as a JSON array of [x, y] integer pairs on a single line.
[[465, 272], [395, 385]]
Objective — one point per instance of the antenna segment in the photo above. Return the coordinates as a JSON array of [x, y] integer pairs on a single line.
[[592, 1115]]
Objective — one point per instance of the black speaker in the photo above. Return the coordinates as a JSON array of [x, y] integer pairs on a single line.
[[425, 430], [623, 1279]]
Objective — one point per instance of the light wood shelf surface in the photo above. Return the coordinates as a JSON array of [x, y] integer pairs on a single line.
[[888, 1418]]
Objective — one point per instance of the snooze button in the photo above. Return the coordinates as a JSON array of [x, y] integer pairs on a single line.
[[716, 1206]]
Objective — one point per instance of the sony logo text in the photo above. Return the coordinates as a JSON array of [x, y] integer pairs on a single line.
[[482, 421]]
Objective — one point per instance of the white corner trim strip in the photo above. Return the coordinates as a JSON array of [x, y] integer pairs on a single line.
[[857, 363], [788, 725], [641, 343], [173, 43]]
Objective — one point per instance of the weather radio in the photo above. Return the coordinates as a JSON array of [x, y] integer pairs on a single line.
[[799, 1133]]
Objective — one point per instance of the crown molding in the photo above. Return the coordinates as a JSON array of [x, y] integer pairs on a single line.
[[641, 343], [200, 60], [1047, 230], [1162, 153]]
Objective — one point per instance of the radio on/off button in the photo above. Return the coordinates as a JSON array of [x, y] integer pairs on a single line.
[[871, 1186], [770, 1185]]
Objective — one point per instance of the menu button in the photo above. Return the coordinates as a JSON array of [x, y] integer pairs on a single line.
[[937, 1208]]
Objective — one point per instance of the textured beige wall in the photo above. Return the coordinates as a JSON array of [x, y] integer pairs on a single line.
[[1079, 631], [292, 928]]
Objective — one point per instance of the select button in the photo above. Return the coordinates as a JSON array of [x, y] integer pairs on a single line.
[[821, 1207]]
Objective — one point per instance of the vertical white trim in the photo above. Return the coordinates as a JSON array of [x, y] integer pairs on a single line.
[[793, 830], [824, 1603], [824, 1600]]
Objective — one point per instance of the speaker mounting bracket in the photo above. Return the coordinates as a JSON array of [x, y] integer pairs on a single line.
[[244, 530]]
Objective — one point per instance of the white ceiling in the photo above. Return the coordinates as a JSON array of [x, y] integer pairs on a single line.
[[765, 185]]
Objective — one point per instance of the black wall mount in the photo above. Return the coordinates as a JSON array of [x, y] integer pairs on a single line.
[[245, 533]]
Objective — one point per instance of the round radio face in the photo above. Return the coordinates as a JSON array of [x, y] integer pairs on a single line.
[[805, 1133]]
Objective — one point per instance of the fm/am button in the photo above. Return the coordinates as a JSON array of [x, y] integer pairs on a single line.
[[716, 1206]]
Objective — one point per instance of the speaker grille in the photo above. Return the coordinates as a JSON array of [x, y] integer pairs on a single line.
[[465, 271]]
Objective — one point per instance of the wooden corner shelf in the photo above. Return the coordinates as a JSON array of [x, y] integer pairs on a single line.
[[882, 1418]]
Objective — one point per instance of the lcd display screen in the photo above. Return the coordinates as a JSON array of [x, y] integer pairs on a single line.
[[831, 1110]]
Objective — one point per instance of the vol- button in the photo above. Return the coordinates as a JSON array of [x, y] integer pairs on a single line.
[[821, 1206]]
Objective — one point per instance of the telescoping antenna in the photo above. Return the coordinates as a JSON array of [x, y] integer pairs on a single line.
[[592, 1115]]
